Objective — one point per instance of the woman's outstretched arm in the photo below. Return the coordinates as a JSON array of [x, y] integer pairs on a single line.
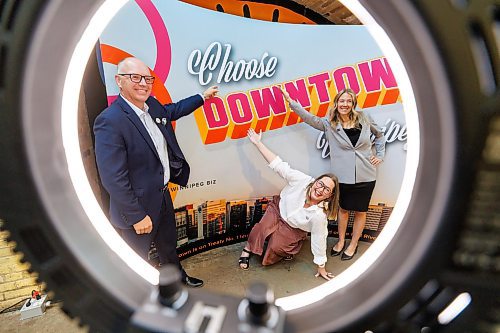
[[307, 117], [256, 140]]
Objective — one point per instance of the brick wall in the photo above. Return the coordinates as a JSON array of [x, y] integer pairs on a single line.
[[15, 281]]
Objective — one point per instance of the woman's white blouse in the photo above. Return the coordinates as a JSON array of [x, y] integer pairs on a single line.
[[312, 219]]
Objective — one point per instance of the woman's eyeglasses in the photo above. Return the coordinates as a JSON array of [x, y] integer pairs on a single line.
[[325, 188]]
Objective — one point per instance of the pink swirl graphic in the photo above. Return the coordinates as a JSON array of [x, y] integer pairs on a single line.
[[163, 47]]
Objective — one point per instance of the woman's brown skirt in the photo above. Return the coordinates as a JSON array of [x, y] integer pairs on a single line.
[[283, 240]]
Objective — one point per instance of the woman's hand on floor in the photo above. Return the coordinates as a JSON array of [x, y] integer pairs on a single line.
[[324, 274]]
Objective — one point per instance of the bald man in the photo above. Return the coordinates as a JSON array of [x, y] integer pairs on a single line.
[[137, 156]]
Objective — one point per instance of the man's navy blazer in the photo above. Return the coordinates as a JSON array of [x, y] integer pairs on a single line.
[[128, 163]]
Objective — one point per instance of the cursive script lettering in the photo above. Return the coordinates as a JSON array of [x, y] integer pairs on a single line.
[[218, 57], [394, 131], [322, 144]]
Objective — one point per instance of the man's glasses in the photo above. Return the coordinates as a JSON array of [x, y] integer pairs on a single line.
[[325, 188], [137, 78]]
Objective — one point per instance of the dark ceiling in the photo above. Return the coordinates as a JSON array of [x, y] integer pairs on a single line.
[[333, 10]]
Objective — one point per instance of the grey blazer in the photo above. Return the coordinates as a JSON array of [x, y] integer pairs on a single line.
[[351, 164]]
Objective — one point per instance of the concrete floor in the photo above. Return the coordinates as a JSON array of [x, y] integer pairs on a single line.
[[221, 273]]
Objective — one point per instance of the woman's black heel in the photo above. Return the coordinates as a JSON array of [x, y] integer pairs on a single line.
[[348, 257], [245, 260], [334, 253]]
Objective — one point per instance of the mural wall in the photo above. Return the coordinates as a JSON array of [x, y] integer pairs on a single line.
[[189, 48]]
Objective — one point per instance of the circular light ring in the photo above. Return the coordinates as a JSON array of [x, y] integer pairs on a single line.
[[75, 73], [39, 156], [82, 262]]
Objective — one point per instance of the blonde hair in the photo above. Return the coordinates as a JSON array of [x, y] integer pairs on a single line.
[[355, 117], [331, 204]]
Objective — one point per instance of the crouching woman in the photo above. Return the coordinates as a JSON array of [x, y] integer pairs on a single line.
[[303, 206]]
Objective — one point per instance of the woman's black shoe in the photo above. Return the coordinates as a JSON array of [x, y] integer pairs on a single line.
[[244, 262], [348, 257], [334, 253]]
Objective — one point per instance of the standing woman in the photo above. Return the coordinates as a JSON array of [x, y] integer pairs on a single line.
[[349, 136]]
